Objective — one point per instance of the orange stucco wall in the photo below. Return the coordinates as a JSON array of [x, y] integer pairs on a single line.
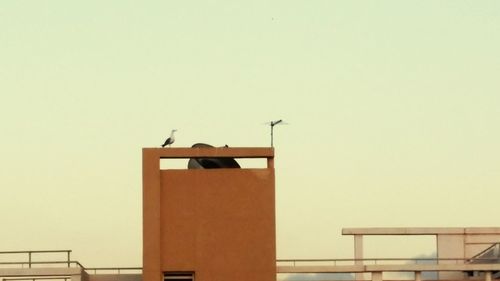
[[218, 223]]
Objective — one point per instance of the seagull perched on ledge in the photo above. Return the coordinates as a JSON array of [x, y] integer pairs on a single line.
[[170, 140]]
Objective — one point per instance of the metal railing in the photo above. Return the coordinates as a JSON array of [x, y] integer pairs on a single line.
[[30, 255], [372, 261], [32, 259], [113, 270], [37, 278]]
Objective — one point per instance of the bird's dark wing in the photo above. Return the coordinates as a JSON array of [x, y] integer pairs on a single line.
[[167, 142]]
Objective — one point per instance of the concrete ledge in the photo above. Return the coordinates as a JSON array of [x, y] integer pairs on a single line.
[[115, 277], [22, 272], [433, 267], [482, 239], [388, 268], [402, 231], [482, 230], [320, 269], [419, 230]]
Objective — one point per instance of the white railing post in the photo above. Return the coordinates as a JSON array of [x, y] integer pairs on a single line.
[[377, 276], [418, 275], [487, 276], [358, 255]]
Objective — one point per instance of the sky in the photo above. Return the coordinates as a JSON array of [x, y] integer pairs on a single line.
[[392, 109]]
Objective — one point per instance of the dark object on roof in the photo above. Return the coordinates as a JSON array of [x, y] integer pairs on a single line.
[[211, 163]]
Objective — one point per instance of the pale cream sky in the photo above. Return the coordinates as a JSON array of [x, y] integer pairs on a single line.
[[393, 108]]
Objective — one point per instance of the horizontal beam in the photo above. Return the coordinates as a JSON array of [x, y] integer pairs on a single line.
[[419, 230], [115, 277], [320, 269], [482, 230], [35, 252], [388, 268], [433, 267], [233, 152], [22, 272]]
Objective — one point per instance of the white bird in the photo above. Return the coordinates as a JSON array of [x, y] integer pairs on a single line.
[[170, 140]]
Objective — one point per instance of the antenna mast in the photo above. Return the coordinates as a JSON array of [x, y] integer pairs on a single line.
[[273, 123]]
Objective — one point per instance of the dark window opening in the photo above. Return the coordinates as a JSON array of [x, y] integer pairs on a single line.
[[178, 276]]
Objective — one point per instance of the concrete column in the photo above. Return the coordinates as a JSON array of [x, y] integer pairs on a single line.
[[450, 246], [487, 276], [270, 163], [418, 276], [151, 213], [358, 254], [377, 276]]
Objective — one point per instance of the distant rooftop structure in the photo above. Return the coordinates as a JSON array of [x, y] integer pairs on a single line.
[[455, 247]]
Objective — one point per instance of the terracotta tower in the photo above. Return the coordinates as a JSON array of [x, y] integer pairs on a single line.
[[208, 224]]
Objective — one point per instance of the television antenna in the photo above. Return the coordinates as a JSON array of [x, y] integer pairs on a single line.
[[272, 124]]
